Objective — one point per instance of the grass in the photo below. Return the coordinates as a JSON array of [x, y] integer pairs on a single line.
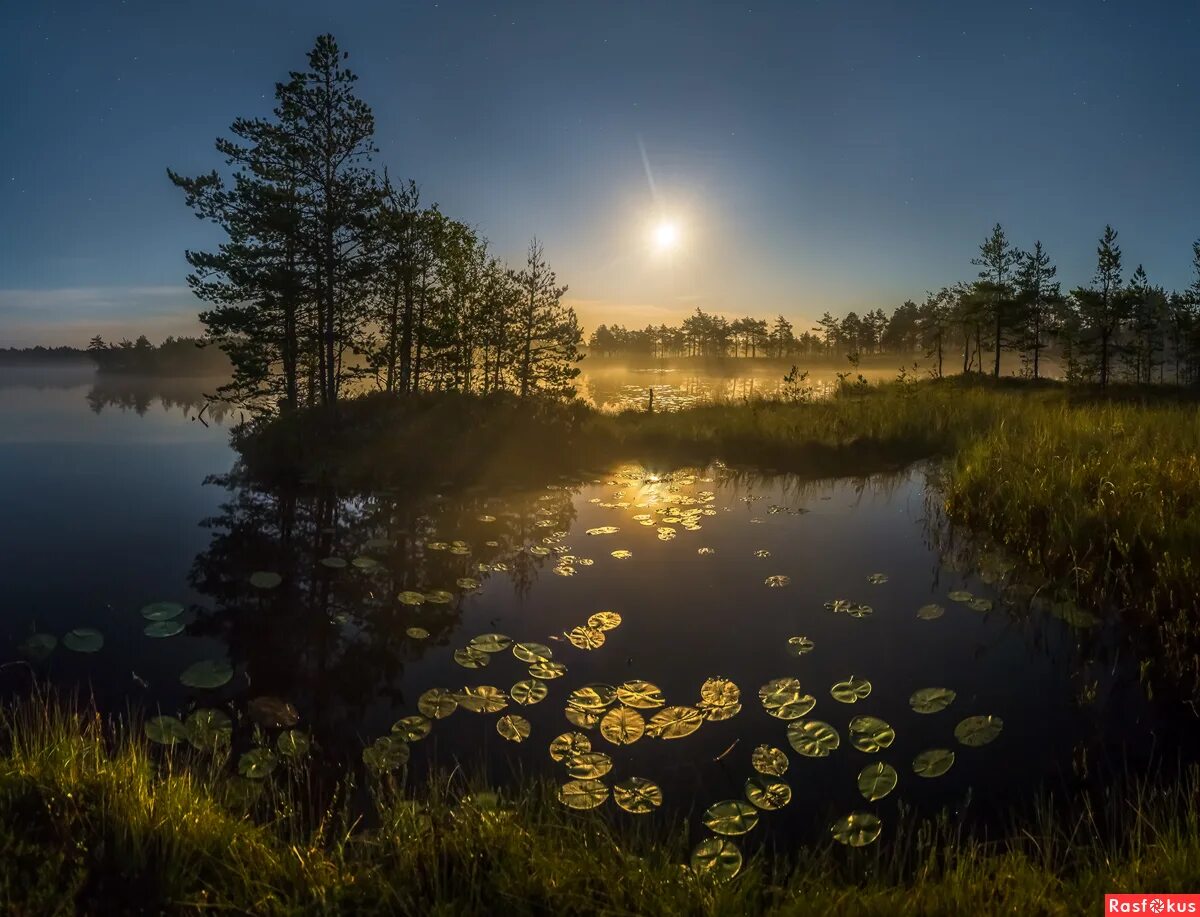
[[93, 820]]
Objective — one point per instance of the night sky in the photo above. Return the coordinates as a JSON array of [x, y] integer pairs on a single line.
[[815, 154]]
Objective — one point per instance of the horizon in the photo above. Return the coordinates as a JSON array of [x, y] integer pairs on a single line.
[[854, 166]]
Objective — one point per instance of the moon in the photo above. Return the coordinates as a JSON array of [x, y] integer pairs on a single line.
[[666, 236]]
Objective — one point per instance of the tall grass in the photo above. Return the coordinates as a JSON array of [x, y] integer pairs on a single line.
[[92, 820]]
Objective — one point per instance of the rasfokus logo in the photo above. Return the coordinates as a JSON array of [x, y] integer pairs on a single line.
[[1152, 904]]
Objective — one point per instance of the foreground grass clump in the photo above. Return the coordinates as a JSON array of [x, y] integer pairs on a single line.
[[94, 821]]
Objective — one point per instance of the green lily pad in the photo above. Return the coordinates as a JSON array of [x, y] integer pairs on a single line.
[[413, 728], [769, 760], [490, 643], [877, 780], [163, 628], [37, 647], [960, 595], [813, 738], [165, 730], [931, 700], [547, 670], [482, 699], [930, 612], [637, 795], [410, 598], [386, 754], [857, 830], [583, 794], [716, 858], [532, 652], [976, 731], [471, 658], [512, 727], [257, 763], [265, 579], [871, 734], [208, 729], [162, 611], [207, 674], [800, 646], [851, 691], [589, 765], [622, 726], [437, 703], [292, 743], [768, 795], [730, 817], [933, 763], [334, 563], [84, 640]]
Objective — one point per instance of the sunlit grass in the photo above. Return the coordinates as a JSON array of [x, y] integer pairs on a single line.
[[94, 820]]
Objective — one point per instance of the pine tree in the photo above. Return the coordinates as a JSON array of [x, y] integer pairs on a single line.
[[547, 333], [998, 260], [1037, 300], [1102, 308]]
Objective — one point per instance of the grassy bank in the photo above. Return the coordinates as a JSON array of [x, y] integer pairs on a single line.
[[92, 820]]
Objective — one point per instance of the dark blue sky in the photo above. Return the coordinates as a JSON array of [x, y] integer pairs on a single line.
[[815, 153]]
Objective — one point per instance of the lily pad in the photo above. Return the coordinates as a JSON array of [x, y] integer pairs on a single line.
[[851, 691], [471, 658], [482, 699], [857, 830], [716, 858], [583, 794], [800, 646], [871, 734], [528, 692], [643, 695], [622, 726], [272, 712], [813, 738], [960, 595], [37, 647], [877, 780], [532, 652], [412, 728], [596, 696], [674, 723], [976, 731], [512, 727], [257, 763], [416, 633], [547, 670], [265, 579], [490, 643], [933, 763], [207, 674], [877, 579], [931, 700], [209, 729], [980, 604], [930, 612], [163, 628], [165, 730], [408, 597], [386, 754], [604, 620], [730, 817], [637, 795], [569, 745], [719, 692], [769, 760], [437, 703], [784, 699], [586, 638], [84, 640], [589, 765], [768, 795], [333, 563], [292, 743], [162, 611]]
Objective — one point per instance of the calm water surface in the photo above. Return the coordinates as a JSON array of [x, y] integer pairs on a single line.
[[115, 497]]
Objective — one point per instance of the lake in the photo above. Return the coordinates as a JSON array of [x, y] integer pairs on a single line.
[[119, 494]]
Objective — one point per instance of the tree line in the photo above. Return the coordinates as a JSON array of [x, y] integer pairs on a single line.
[[1111, 327], [175, 356], [334, 279]]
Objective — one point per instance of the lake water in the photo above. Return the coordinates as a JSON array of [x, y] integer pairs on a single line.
[[115, 496]]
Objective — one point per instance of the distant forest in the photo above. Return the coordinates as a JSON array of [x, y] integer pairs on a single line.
[[176, 356], [1111, 328]]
